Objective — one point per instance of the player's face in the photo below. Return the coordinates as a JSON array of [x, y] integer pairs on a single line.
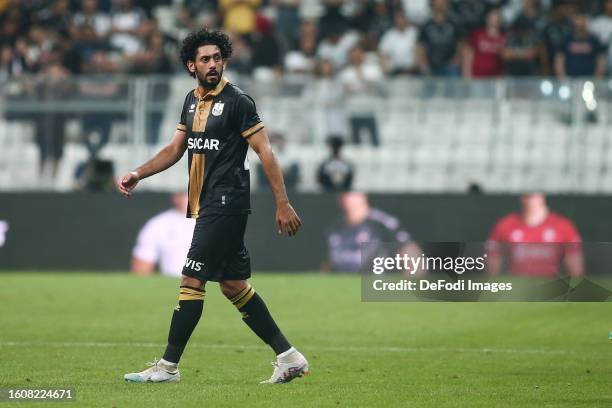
[[208, 66], [533, 200]]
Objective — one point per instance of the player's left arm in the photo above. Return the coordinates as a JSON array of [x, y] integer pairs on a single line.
[[287, 219]]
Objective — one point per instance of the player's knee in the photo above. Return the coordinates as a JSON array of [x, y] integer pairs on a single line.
[[192, 282], [231, 288]]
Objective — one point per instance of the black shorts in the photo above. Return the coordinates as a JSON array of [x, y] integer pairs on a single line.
[[217, 251]]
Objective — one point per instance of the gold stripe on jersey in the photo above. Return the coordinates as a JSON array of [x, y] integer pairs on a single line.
[[196, 182], [182, 127], [252, 130], [198, 160], [201, 115]]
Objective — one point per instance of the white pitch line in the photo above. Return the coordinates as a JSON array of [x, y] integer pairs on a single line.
[[353, 349]]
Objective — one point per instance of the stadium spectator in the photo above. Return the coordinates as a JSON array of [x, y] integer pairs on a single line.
[[49, 126], [92, 16], [601, 27], [482, 52], [288, 18], [535, 242], [361, 81], [333, 19], [523, 52], [241, 57], [164, 241], [127, 26], [325, 98], [469, 15], [301, 63], [398, 47], [582, 54], [239, 15], [266, 57], [95, 175], [335, 173], [361, 224], [557, 31], [378, 20], [439, 43], [336, 46], [55, 16], [417, 11]]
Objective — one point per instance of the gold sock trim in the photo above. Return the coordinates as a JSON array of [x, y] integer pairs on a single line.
[[241, 293], [191, 294], [244, 300]]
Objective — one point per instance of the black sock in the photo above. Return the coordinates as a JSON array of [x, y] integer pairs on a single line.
[[256, 315], [184, 319]]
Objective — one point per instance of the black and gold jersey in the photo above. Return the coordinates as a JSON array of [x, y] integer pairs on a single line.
[[217, 126]]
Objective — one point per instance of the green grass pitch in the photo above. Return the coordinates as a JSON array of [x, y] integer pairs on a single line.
[[86, 330]]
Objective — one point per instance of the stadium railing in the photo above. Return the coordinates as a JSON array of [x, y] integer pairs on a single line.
[[436, 135]]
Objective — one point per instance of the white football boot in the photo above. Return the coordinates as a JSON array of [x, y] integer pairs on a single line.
[[159, 371], [288, 365]]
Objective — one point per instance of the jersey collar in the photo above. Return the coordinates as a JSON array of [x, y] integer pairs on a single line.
[[214, 92]]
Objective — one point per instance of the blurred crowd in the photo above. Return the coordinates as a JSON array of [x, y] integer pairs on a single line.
[[354, 38]]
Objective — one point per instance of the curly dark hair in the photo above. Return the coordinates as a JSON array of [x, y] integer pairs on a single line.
[[193, 41]]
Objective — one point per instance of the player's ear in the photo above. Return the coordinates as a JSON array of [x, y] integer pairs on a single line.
[[191, 66]]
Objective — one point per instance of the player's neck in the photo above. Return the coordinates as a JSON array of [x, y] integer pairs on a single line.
[[536, 216]]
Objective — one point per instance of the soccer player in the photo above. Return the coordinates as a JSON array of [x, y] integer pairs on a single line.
[[535, 242], [218, 124]]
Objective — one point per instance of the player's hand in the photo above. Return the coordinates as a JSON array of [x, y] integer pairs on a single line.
[[287, 220], [127, 183]]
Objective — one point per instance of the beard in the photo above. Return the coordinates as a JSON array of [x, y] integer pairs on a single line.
[[207, 82]]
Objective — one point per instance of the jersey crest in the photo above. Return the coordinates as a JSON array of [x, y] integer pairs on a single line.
[[217, 109]]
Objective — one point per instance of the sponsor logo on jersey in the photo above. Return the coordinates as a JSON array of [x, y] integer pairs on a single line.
[[217, 109], [191, 108], [193, 265], [203, 143]]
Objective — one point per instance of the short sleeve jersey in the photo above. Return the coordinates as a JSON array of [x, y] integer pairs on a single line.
[[218, 125], [537, 250]]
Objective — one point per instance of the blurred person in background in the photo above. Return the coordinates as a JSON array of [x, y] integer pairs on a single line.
[[127, 27], [601, 27], [535, 242], [95, 175], [335, 173], [336, 45], [556, 32], [92, 16], [482, 53], [417, 11], [287, 19], [164, 240], [301, 62], [362, 82], [582, 54], [362, 224], [325, 98], [266, 56], [439, 43], [469, 15], [398, 47], [49, 126], [239, 15], [523, 52]]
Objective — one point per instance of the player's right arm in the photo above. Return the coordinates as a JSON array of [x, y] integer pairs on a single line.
[[167, 156]]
